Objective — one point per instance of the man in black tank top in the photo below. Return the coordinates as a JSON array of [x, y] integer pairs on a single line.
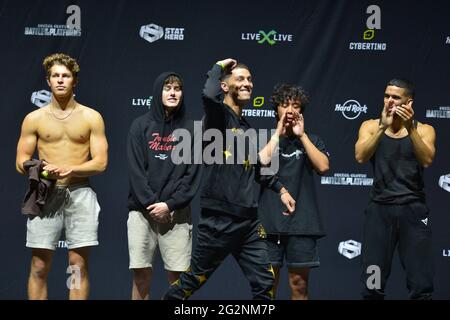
[[398, 147]]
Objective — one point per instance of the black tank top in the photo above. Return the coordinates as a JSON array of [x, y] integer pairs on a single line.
[[398, 175]]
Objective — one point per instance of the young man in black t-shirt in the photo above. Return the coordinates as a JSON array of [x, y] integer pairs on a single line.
[[293, 238]]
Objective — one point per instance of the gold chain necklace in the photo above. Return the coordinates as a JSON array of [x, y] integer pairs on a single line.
[[64, 117]]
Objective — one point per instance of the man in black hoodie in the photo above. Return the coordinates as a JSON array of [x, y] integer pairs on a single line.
[[229, 199], [160, 191]]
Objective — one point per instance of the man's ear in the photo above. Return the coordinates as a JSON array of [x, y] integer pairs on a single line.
[[224, 86], [48, 81]]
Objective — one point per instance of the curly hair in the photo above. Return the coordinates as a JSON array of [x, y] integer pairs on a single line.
[[61, 59], [284, 92]]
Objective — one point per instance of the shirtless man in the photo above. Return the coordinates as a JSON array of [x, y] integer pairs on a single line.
[[71, 138]]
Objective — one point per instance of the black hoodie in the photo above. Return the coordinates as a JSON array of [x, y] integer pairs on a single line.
[[152, 175], [229, 188]]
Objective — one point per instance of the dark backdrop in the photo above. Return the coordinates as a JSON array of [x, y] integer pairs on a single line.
[[317, 44]]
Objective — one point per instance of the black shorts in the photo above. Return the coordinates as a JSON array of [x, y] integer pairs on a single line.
[[298, 251]]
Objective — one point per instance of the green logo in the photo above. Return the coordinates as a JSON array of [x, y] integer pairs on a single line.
[[258, 102], [266, 37], [369, 34]]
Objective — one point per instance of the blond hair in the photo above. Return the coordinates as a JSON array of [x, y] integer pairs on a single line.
[[61, 59]]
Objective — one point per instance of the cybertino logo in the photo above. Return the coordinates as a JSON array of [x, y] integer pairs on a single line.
[[351, 109], [444, 182], [373, 23], [350, 249], [271, 37], [258, 103], [153, 32], [41, 98]]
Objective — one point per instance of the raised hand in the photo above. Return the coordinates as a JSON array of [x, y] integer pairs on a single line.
[[227, 63], [298, 125], [387, 115], [406, 113]]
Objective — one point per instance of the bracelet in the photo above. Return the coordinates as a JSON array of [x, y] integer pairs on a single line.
[[221, 65], [44, 174]]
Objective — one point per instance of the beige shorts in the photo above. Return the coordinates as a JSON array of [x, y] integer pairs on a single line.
[[75, 209], [173, 239]]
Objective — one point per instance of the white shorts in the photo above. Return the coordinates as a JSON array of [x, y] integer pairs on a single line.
[[73, 208], [174, 240]]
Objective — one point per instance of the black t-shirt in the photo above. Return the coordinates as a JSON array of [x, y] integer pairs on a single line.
[[296, 173]]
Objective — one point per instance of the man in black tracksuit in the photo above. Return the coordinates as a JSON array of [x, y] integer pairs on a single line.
[[160, 191], [229, 199], [399, 148]]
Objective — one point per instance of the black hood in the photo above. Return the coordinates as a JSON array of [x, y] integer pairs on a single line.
[[153, 176], [156, 112]]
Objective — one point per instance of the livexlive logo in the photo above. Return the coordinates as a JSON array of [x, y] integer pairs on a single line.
[[41, 98], [272, 37], [350, 249], [446, 253], [142, 102]]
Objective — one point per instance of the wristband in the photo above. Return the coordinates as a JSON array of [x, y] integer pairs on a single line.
[[221, 65], [44, 174]]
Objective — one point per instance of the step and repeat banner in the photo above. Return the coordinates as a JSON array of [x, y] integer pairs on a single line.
[[342, 52]]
